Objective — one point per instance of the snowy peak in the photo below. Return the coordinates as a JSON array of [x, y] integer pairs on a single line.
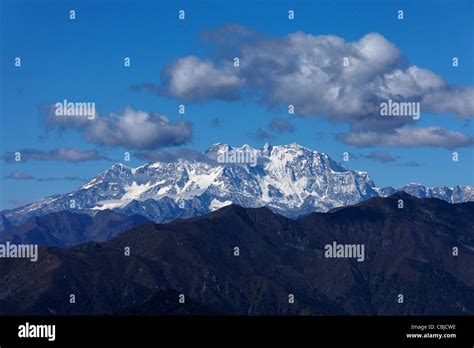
[[457, 194], [218, 148], [291, 153], [291, 179], [267, 149]]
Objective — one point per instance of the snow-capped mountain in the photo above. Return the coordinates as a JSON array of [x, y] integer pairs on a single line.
[[290, 179], [457, 194]]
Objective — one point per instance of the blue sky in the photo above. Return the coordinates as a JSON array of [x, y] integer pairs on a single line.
[[82, 60]]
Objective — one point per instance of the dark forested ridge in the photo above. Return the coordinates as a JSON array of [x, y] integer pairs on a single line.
[[408, 252]]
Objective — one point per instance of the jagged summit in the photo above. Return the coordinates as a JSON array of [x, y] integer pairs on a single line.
[[291, 180], [217, 147]]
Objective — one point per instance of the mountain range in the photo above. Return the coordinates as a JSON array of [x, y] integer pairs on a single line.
[[291, 180], [408, 252], [64, 228]]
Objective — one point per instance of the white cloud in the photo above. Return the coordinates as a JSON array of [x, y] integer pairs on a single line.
[[138, 129], [131, 129], [67, 154], [16, 175], [194, 79], [308, 71], [409, 137]]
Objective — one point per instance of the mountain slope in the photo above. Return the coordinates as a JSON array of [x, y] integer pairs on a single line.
[[5, 224], [457, 194], [290, 179], [407, 251], [64, 228]]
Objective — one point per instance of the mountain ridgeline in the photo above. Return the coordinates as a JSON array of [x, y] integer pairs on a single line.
[[64, 228], [291, 180], [251, 261]]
